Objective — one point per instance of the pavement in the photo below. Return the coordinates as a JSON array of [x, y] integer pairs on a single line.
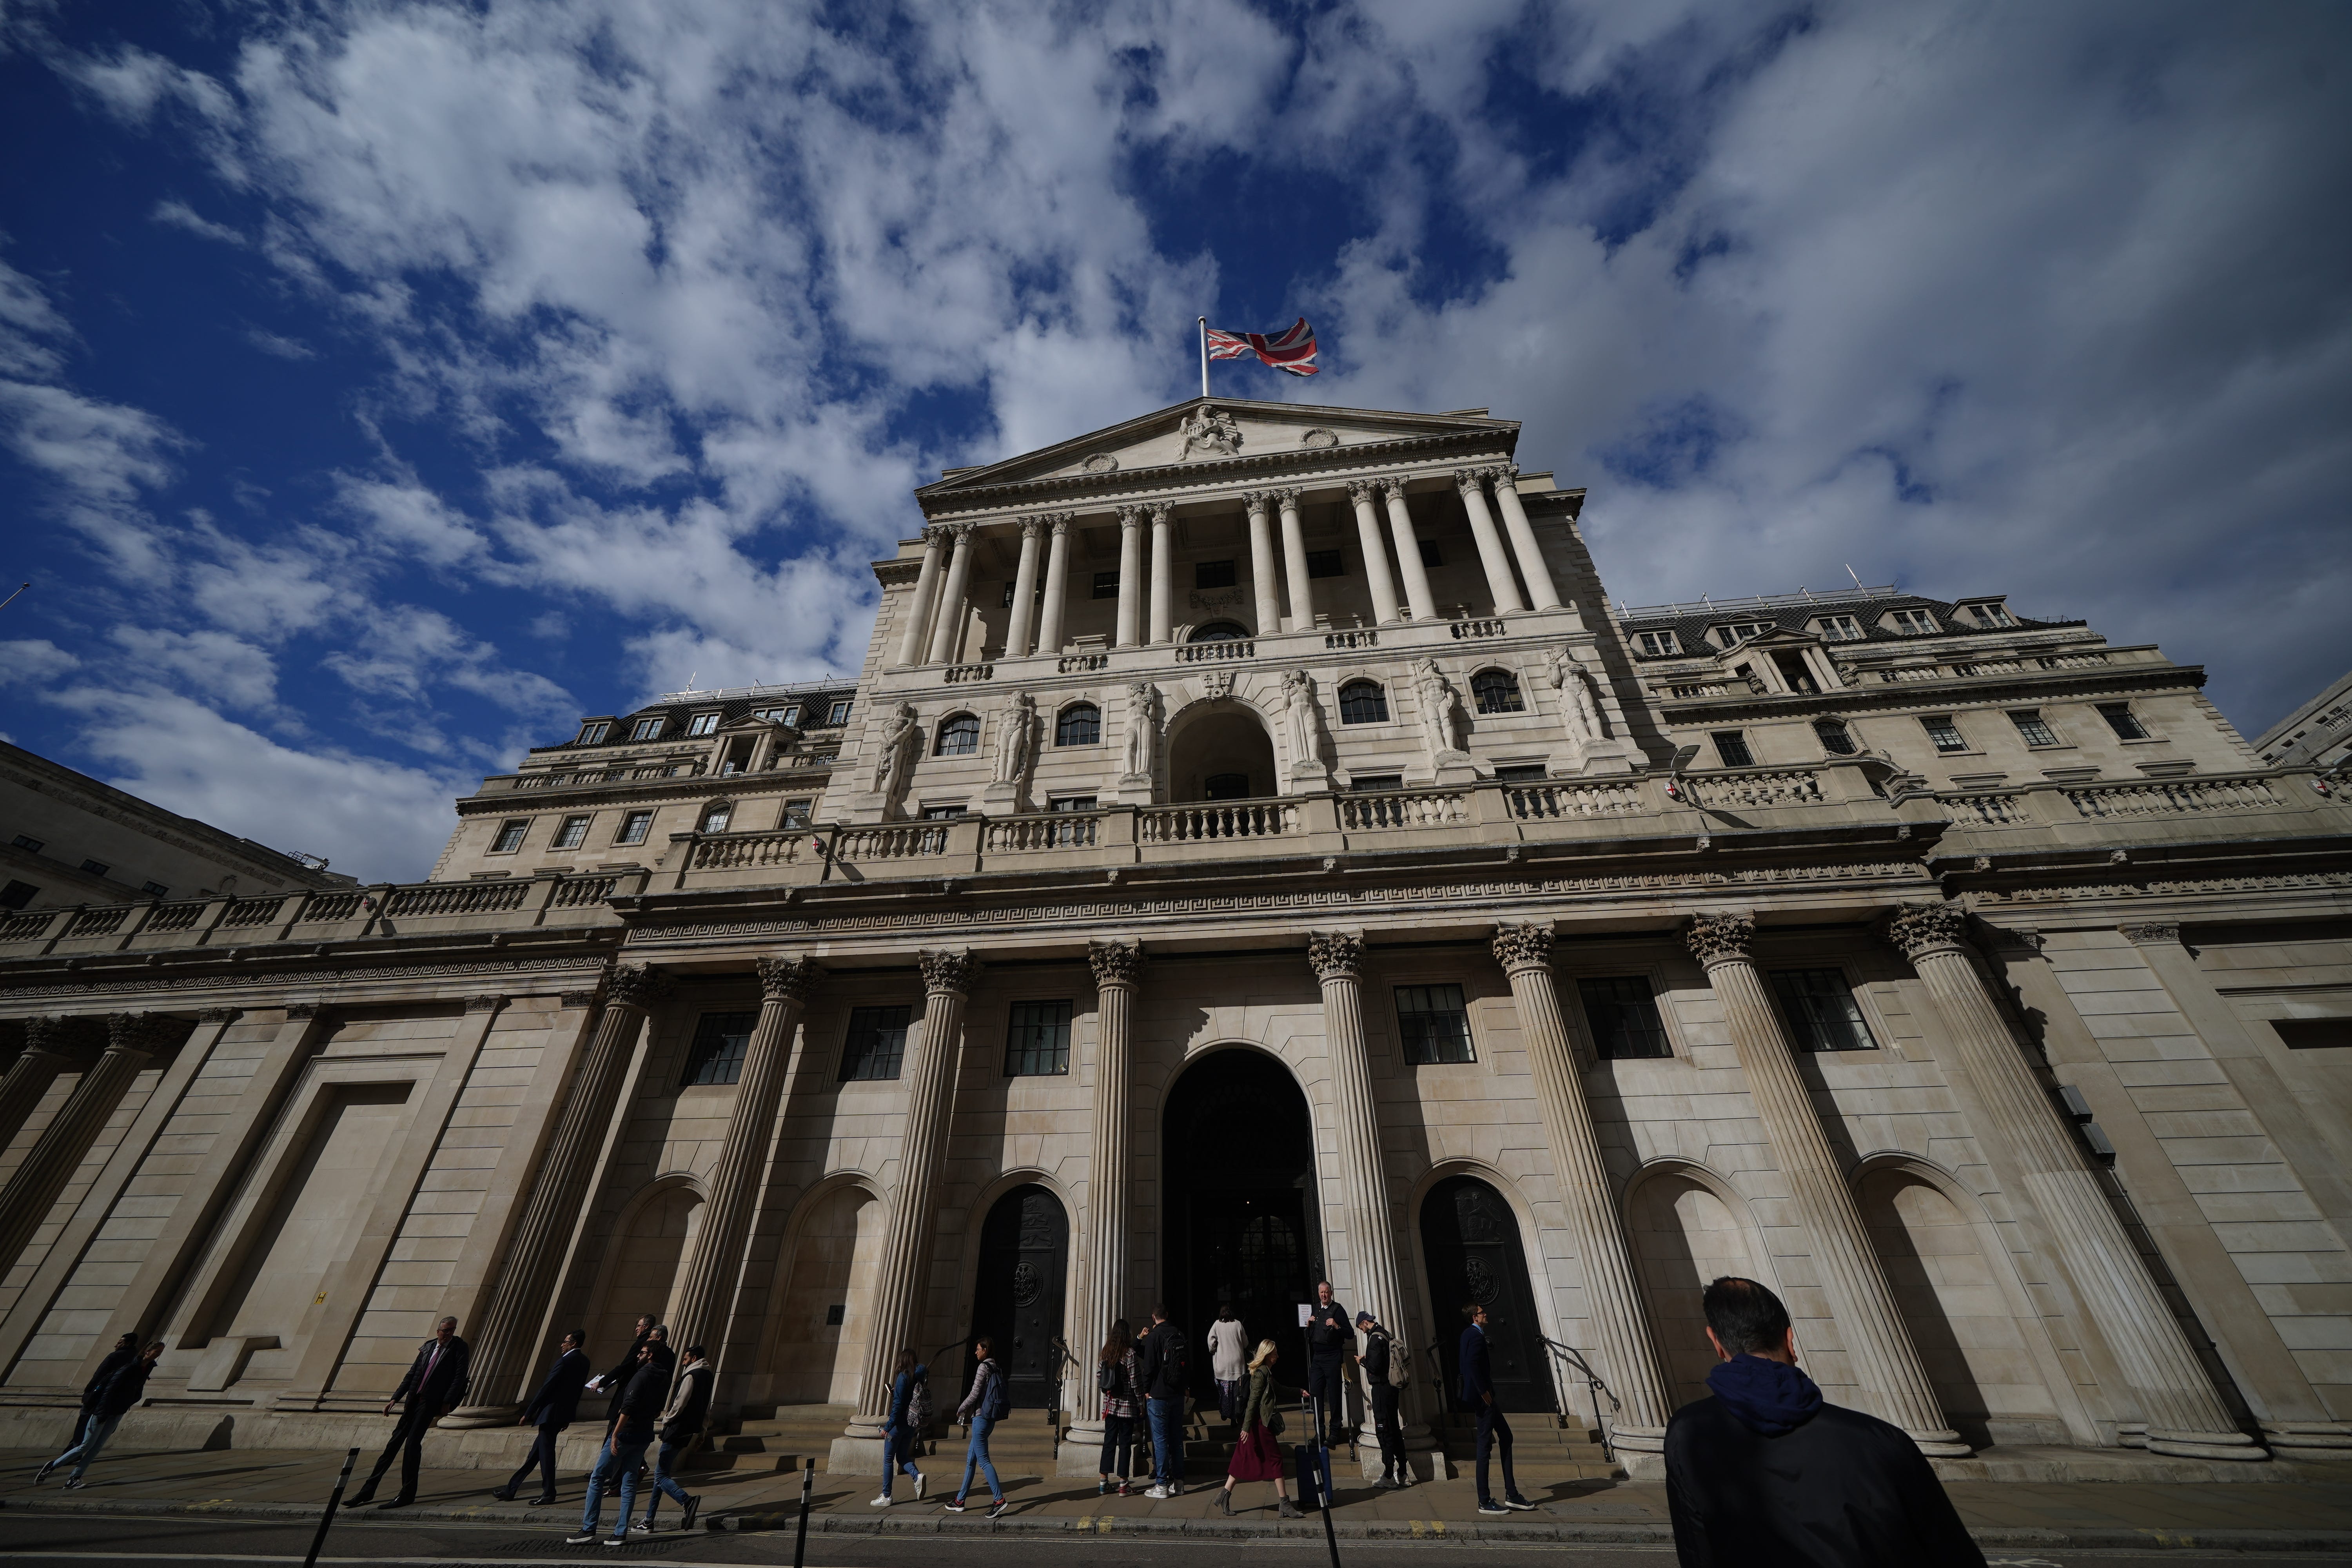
[[2304, 1516]]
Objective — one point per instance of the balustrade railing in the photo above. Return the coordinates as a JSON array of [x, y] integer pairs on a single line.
[[2071, 660], [1484, 626], [168, 919], [2174, 797], [1219, 652], [750, 850], [1366, 637], [456, 898], [894, 842], [1408, 808], [1054, 830], [252, 912], [1990, 810], [962, 672], [25, 928], [1795, 787], [98, 922], [325, 908], [1083, 663], [573, 891], [1216, 819], [1552, 802]]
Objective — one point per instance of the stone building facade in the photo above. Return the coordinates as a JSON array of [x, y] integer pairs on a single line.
[[1253, 851]]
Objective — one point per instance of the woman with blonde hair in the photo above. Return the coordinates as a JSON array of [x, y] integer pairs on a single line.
[[1257, 1455]]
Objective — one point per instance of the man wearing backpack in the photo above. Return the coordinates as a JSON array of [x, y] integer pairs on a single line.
[[1386, 1370], [1164, 1373]]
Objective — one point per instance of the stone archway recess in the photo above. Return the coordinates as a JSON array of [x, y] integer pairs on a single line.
[[1217, 740]]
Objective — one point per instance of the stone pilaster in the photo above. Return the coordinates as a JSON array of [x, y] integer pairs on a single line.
[[1103, 1247], [1613, 1297], [131, 1041], [1878, 1346]]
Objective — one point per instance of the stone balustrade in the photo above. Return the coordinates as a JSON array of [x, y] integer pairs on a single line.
[[1218, 819]]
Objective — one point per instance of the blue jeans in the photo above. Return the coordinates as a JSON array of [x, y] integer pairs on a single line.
[[663, 1481], [976, 1452], [617, 1460], [897, 1445], [1166, 1457], [94, 1432]]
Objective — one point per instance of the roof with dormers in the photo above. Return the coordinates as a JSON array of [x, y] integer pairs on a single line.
[[1691, 624]]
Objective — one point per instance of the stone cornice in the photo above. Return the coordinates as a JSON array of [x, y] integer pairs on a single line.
[[657, 792], [2044, 686], [270, 988]]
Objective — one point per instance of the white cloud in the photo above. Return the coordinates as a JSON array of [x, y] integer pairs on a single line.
[[33, 661], [278, 345], [214, 663], [177, 214]]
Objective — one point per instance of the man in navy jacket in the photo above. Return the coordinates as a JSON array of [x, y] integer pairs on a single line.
[[552, 1409], [1478, 1393], [435, 1381]]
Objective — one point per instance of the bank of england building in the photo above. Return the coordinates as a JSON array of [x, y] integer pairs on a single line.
[[1256, 850]]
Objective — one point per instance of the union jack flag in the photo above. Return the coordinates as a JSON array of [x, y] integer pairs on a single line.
[[1294, 351]]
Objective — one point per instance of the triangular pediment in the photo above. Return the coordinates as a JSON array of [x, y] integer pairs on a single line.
[[1210, 430]]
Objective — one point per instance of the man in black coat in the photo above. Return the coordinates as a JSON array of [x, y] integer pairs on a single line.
[[1763, 1473], [1164, 1367], [106, 1403], [1330, 1341], [1478, 1393], [624, 1447], [125, 1351], [435, 1381], [552, 1409], [1378, 1350], [649, 1333]]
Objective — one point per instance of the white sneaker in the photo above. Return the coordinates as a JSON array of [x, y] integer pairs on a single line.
[[1155, 1491], [920, 1481], [882, 1502]]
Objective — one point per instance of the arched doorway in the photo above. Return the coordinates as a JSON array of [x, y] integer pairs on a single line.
[[1024, 1248], [1684, 1237], [1221, 752], [1219, 631], [1471, 1239], [1237, 1158], [641, 1272], [828, 1309]]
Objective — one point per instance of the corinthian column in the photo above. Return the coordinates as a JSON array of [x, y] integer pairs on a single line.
[[1376, 552], [507, 1342], [37, 1067], [918, 612], [1408, 549], [1472, 483], [1163, 575], [947, 635], [1266, 578], [1886, 1364], [1024, 590], [1613, 1300], [1103, 1246], [1058, 584], [701, 1318], [2185, 1415], [1129, 630], [131, 1041], [905, 1261], [1294, 564], [1523, 538]]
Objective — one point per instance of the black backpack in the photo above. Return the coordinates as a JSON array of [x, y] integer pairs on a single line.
[[1107, 1375]]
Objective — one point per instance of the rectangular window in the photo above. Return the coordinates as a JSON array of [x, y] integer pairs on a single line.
[[633, 827], [1912, 623], [30, 845], [944, 812], [796, 813], [16, 895], [648, 729], [1727, 636], [2029, 726], [840, 712], [1836, 739], [593, 734], [716, 816], [1624, 1016], [788, 714], [1106, 585], [156, 889], [1944, 732], [1821, 1010], [1367, 782], [1434, 1022], [1324, 564], [1037, 1040], [1658, 645], [510, 837], [1519, 772], [1731, 749], [703, 724], [1839, 628], [573, 834], [1795, 673], [1993, 615], [1429, 553], [1212, 573], [719, 1042], [96, 868], [877, 1045], [1008, 595], [2121, 720], [1071, 803]]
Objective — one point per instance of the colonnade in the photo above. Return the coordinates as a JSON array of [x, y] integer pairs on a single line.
[[1281, 587]]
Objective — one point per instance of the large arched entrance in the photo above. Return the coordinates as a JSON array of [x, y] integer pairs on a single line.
[[1237, 1157], [1471, 1241], [1017, 1300], [1221, 751]]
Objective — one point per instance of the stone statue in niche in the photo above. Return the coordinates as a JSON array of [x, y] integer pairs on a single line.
[[1142, 729], [1016, 739], [1210, 432], [1442, 717], [893, 758], [1580, 707], [1305, 722]]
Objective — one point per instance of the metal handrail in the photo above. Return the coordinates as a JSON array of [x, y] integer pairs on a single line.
[[1061, 1349], [1594, 1385]]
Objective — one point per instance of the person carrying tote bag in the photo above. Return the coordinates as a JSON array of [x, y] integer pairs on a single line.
[[1257, 1455]]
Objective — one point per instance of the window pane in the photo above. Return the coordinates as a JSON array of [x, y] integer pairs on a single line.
[[2030, 725], [1365, 782], [715, 820], [1106, 585], [1212, 573], [1071, 803], [1363, 703], [704, 724], [1520, 772], [877, 1044], [839, 714], [1080, 725], [510, 838], [1324, 564], [1821, 1010], [719, 1042], [1624, 1016], [1731, 748], [1836, 740], [1037, 1040], [647, 730], [796, 813], [1944, 732], [16, 895], [634, 826], [959, 736], [1429, 553], [2119, 719], [573, 834], [1659, 645], [1434, 1024], [1498, 691]]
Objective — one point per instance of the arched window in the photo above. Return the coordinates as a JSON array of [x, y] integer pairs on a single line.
[[1836, 739], [1080, 724], [1218, 631], [959, 736], [1363, 703], [716, 815], [1498, 691]]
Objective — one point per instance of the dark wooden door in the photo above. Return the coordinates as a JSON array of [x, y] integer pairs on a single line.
[[1023, 1252], [1472, 1241]]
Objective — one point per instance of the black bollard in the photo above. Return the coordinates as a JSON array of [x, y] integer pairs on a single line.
[[334, 1501], [808, 1484]]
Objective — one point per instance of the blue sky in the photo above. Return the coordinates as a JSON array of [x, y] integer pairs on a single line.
[[383, 385]]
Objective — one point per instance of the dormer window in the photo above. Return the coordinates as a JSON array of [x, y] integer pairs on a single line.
[[594, 733], [840, 712], [788, 714], [703, 724], [1838, 628], [1912, 623], [648, 729], [1991, 613], [1657, 645], [1732, 633]]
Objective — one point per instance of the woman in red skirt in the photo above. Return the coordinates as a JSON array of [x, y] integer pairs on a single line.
[[1258, 1457]]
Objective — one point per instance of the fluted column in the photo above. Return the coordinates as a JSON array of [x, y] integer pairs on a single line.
[[1163, 575], [1266, 578], [1522, 534], [918, 613], [1057, 583], [1024, 590], [947, 635], [1294, 564], [2184, 1413], [905, 1259], [1613, 1300], [1374, 545], [37, 1067], [1103, 1227], [1472, 483], [1408, 550], [1885, 1363], [786, 984], [131, 1041], [506, 1345], [1130, 577]]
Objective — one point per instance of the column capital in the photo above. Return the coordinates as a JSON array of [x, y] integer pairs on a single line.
[[1469, 481], [1523, 946], [303, 1012], [1287, 496], [62, 1034], [790, 979], [1721, 938], [2152, 933], [937, 533], [1130, 517], [1918, 929], [1161, 512], [1335, 954], [143, 1032], [1257, 502], [946, 969], [961, 530], [219, 1014], [1392, 489], [484, 1004], [1031, 527], [579, 1000], [636, 985], [1058, 521], [1361, 489], [1115, 962]]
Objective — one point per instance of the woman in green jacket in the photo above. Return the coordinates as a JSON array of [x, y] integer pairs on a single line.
[[1258, 1457]]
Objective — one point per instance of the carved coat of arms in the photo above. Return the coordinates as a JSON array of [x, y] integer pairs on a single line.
[[1210, 433]]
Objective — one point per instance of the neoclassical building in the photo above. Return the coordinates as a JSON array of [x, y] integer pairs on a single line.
[[1254, 851]]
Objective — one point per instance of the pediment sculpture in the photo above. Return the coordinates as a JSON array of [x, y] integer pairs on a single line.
[[1210, 432]]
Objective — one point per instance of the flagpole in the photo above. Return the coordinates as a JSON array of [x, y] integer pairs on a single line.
[[1205, 356]]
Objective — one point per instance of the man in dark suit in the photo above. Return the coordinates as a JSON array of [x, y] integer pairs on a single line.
[[435, 1381], [1329, 1342], [1478, 1393], [613, 1382], [552, 1409], [125, 1351]]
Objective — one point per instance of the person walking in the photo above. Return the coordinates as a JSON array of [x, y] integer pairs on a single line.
[[1164, 1359], [909, 1385], [1119, 1375], [1258, 1457], [125, 1351], [1763, 1473], [432, 1387], [613, 1382], [555, 1406], [680, 1424], [125, 1386], [982, 1408], [1330, 1341], [1381, 1363], [1229, 1349], [624, 1448], [1478, 1393]]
